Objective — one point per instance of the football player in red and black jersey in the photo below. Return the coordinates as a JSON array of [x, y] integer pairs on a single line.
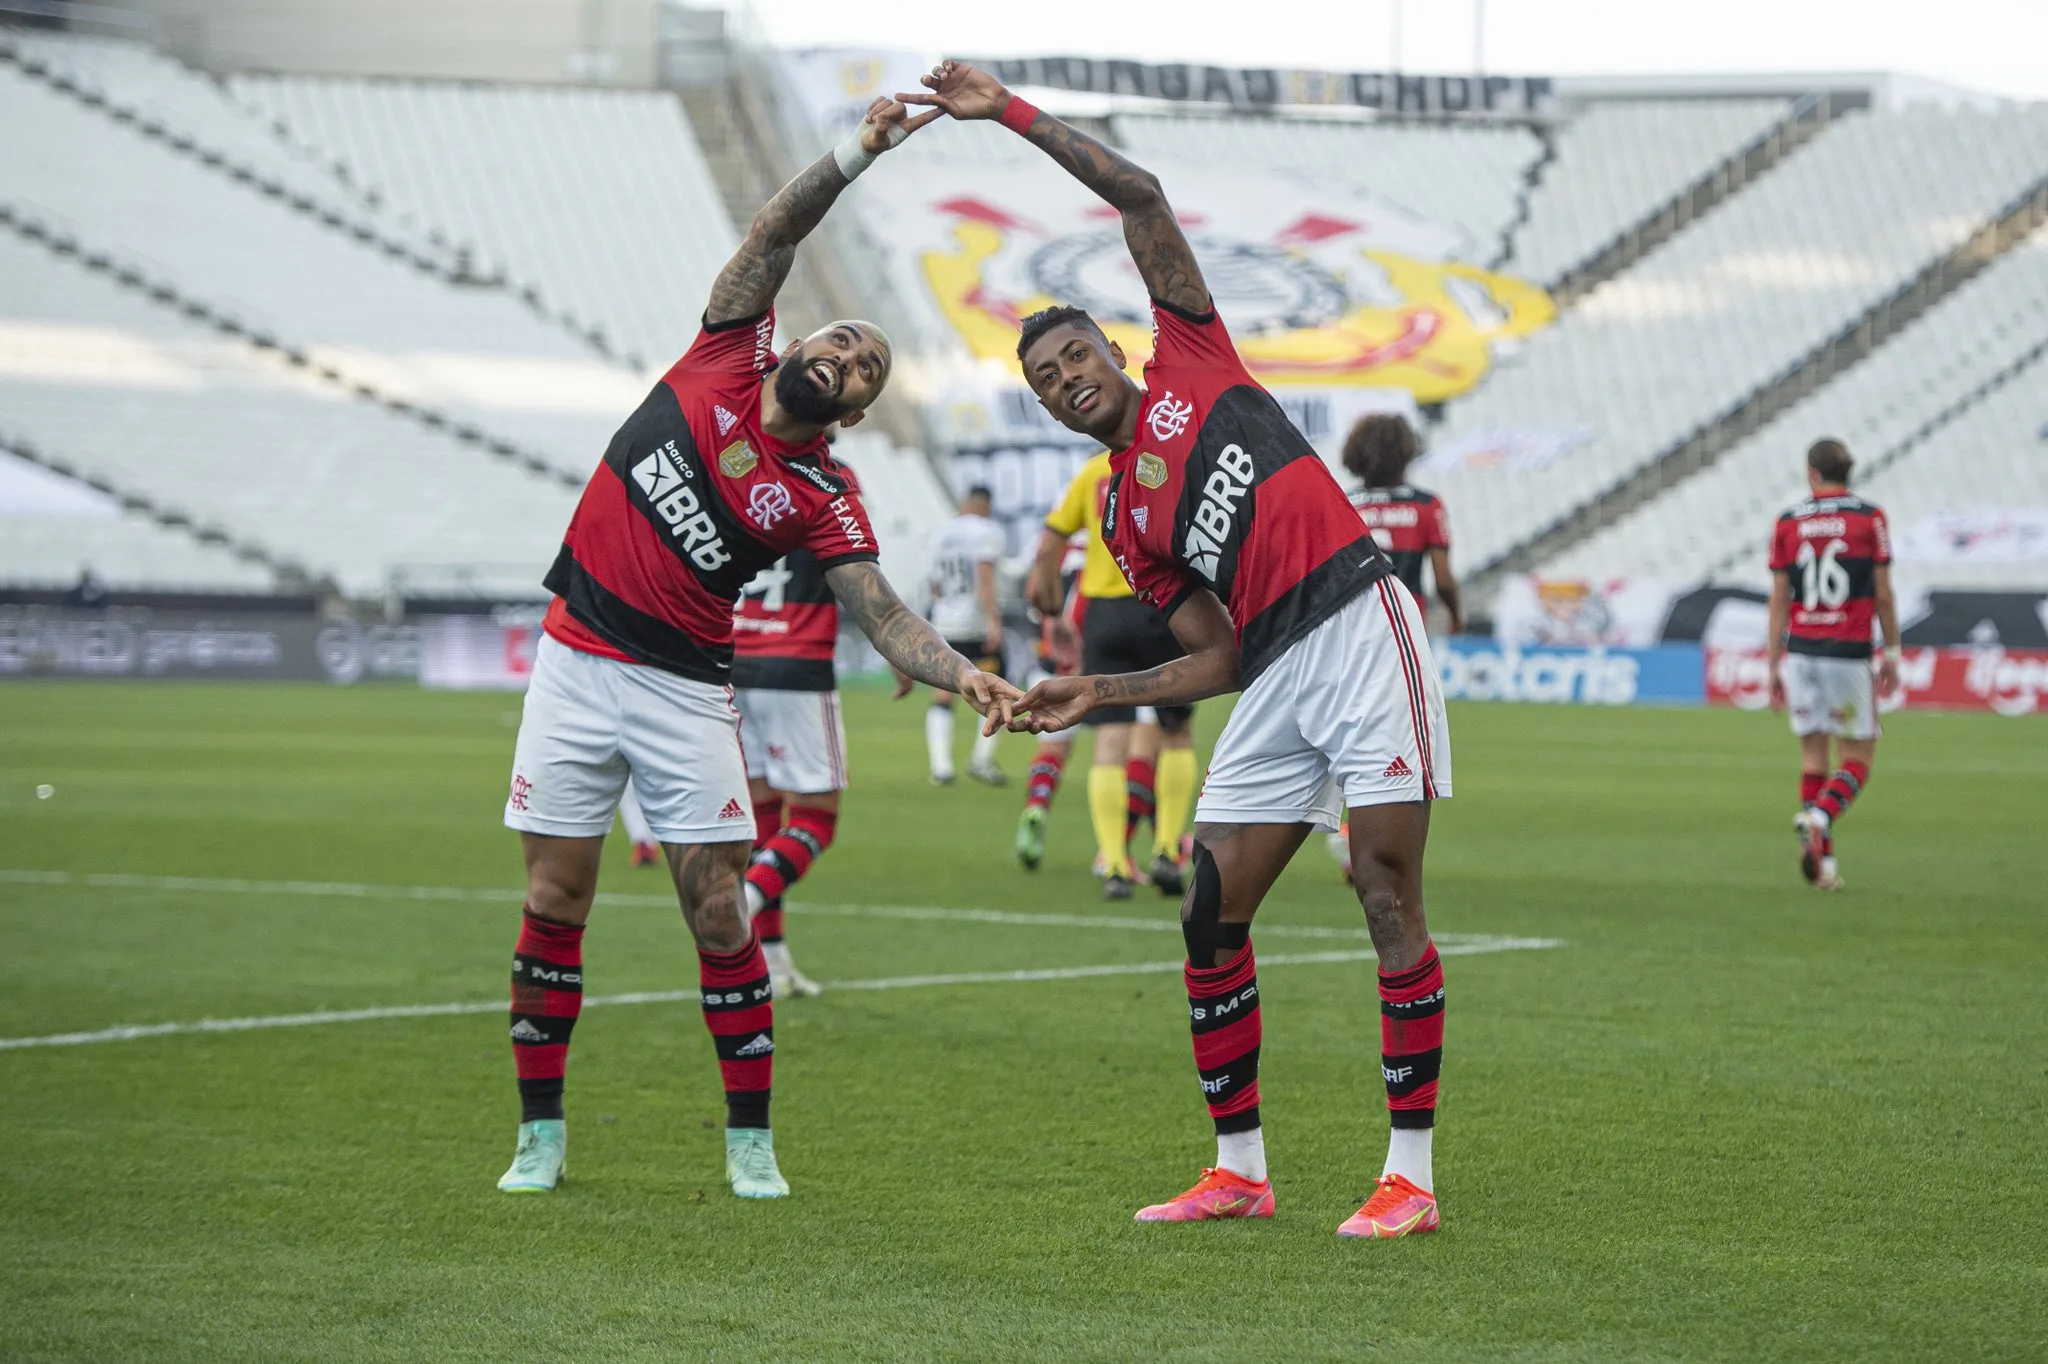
[[1831, 577], [720, 472], [1411, 524], [785, 632], [1224, 519]]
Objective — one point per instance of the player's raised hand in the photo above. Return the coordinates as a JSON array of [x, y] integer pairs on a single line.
[[888, 122], [1054, 704], [961, 90]]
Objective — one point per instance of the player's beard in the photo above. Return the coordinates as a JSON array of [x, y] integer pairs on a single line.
[[801, 398]]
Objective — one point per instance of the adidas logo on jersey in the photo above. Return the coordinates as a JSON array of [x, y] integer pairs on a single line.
[[762, 1045], [1141, 517], [733, 810], [524, 1031], [726, 420], [1397, 768]]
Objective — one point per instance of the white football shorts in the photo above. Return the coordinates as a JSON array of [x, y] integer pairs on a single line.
[[1833, 696], [1351, 714], [588, 722], [794, 740]]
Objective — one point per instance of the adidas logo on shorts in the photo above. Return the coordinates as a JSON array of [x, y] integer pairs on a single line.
[[732, 810], [1397, 768], [762, 1045]]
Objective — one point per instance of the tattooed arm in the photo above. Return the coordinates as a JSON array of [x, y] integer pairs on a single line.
[[750, 280], [910, 644], [1204, 629], [1165, 261]]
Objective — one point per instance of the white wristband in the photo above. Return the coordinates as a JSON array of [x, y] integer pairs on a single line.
[[1891, 654], [853, 158]]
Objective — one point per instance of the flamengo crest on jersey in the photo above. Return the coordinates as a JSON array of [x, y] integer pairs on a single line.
[[1224, 493], [667, 533]]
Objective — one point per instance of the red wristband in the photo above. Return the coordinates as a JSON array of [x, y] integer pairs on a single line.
[[1018, 115]]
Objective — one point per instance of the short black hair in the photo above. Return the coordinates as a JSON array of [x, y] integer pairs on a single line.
[[981, 490], [1831, 460], [1045, 319], [1379, 449]]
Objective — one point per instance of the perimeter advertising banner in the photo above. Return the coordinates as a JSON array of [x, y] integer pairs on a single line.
[[140, 642], [2003, 681], [1486, 670]]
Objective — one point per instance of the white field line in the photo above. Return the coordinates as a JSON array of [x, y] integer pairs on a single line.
[[1467, 945], [1167, 922]]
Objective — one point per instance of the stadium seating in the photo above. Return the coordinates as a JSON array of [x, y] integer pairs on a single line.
[[125, 551], [1618, 161], [601, 201], [165, 96], [232, 437], [1467, 175], [1735, 299], [1695, 528], [478, 355]]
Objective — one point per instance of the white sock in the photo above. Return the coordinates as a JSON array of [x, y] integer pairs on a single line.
[[938, 739], [1243, 1153], [636, 818], [756, 901], [777, 956], [1408, 1156], [985, 748]]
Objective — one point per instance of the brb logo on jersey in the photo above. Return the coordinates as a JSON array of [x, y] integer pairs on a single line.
[[660, 476], [769, 503], [1169, 418], [1216, 516]]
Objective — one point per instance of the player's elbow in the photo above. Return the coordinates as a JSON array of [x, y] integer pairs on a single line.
[[1141, 193]]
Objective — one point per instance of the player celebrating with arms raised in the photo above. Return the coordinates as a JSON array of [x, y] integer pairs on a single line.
[[719, 473], [1224, 518], [1831, 573]]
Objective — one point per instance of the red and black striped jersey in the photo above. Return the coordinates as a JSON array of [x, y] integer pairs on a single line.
[[1830, 549], [1407, 523], [786, 627], [692, 500], [1220, 491]]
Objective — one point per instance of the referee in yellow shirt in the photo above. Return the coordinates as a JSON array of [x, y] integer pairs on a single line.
[[1120, 634]]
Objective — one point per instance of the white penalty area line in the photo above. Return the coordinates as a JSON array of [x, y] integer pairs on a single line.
[[1464, 945], [1168, 922]]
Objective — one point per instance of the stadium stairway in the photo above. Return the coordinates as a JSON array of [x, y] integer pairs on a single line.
[[1803, 121], [1527, 185], [159, 289], [1847, 346]]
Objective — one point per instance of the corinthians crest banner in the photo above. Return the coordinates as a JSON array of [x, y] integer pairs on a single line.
[[1325, 287]]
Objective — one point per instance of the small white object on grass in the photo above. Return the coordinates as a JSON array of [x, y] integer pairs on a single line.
[[45, 791]]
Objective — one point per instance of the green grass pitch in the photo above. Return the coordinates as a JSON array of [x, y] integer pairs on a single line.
[[1730, 1118]]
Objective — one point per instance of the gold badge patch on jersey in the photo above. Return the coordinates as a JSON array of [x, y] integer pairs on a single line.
[[1151, 470], [738, 459]]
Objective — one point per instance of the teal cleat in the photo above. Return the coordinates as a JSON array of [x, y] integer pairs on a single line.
[[1031, 837], [750, 1163], [537, 1164]]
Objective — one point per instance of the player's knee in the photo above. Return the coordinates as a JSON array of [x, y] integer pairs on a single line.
[[1383, 895], [1174, 722], [1209, 940]]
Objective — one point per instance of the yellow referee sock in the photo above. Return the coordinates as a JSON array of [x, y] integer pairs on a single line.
[[1106, 803], [1176, 798]]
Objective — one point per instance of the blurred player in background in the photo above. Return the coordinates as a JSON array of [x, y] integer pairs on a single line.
[[963, 610], [722, 470], [785, 632], [1411, 525], [1830, 575], [1059, 655], [646, 847], [1224, 518], [1121, 634]]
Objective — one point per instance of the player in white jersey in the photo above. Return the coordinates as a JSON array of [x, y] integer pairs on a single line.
[[963, 611]]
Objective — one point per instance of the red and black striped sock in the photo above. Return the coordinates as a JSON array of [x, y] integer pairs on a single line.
[[1412, 1039], [1223, 1014], [1810, 784], [1842, 790], [1139, 779], [782, 861], [547, 996], [739, 1009], [1046, 770], [767, 820]]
